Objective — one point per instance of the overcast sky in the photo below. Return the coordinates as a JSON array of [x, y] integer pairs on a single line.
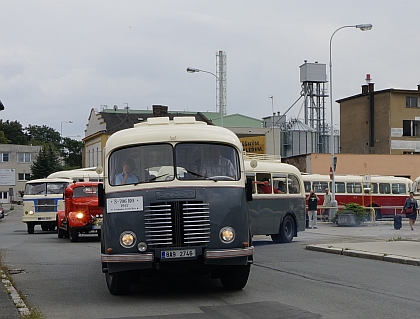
[[60, 59]]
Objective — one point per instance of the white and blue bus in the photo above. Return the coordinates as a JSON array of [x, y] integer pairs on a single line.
[[41, 201]]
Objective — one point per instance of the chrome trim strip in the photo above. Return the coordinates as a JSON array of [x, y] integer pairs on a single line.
[[229, 253], [128, 258]]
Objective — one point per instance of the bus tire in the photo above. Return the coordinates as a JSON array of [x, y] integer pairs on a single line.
[[61, 233], [118, 283], [235, 277], [73, 235], [31, 228], [287, 229]]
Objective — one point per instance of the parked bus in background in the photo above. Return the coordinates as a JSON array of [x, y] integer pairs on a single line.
[[278, 205], [385, 193], [174, 199], [87, 174], [41, 201]]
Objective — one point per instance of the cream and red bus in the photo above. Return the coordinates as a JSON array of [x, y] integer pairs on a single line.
[[386, 194]]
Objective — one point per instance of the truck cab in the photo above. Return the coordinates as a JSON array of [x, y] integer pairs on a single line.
[[81, 214]]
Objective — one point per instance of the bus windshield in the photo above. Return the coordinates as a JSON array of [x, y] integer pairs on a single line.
[[165, 162], [45, 188]]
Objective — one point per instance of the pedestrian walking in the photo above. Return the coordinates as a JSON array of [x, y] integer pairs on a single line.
[[326, 203], [410, 209], [312, 209]]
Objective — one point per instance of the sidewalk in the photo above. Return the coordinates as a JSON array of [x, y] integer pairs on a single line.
[[379, 241], [8, 294]]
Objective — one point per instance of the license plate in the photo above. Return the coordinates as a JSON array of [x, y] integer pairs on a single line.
[[185, 253], [44, 218]]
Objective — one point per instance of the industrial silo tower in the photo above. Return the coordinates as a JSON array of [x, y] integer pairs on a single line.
[[313, 77]]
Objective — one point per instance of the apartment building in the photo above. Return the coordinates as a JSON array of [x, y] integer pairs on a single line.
[[15, 170]]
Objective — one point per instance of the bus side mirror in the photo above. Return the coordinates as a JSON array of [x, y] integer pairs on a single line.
[[248, 189], [101, 195]]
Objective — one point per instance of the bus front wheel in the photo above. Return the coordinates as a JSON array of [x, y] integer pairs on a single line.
[[235, 277], [118, 283], [31, 228]]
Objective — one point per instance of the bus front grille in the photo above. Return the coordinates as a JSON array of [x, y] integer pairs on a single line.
[[45, 205], [176, 224]]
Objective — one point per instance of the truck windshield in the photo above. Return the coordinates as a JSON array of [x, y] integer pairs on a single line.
[[165, 162]]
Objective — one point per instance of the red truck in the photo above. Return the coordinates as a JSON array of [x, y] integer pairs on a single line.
[[81, 214]]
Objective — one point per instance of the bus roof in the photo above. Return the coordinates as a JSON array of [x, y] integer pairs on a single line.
[[180, 129], [79, 173], [356, 178], [50, 180], [271, 167]]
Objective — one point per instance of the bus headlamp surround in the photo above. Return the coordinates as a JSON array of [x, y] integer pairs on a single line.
[[227, 234], [127, 239]]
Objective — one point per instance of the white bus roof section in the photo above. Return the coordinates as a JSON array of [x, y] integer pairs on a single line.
[[268, 166], [180, 129], [50, 180]]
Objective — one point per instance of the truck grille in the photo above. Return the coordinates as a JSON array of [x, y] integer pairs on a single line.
[[176, 224], [45, 205]]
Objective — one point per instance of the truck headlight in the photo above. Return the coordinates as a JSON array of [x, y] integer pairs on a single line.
[[79, 215], [227, 234], [127, 239]]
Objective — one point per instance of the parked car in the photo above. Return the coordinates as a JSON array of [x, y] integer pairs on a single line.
[[1, 212]]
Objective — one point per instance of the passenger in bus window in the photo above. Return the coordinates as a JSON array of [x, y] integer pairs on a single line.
[[326, 203], [216, 164], [281, 188], [126, 176]]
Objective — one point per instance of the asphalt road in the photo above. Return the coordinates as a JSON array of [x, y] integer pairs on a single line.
[[64, 280]]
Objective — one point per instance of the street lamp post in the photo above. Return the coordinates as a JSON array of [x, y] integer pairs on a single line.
[[194, 70], [61, 129], [362, 27], [272, 123]]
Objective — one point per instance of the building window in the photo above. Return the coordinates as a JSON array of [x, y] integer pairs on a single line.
[[24, 176], [411, 101], [4, 157], [411, 128], [24, 157]]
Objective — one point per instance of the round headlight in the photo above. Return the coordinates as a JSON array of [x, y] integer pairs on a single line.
[[227, 234], [142, 246], [127, 239], [79, 215], [31, 212]]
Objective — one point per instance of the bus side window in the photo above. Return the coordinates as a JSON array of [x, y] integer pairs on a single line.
[[293, 183], [254, 186], [340, 187], [264, 183], [384, 188], [307, 186]]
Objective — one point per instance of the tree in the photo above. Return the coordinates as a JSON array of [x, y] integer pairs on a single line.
[[72, 153], [46, 163], [39, 135], [13, 131], [3, 139]]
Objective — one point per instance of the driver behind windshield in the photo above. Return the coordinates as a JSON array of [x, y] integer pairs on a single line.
[[216, 164]]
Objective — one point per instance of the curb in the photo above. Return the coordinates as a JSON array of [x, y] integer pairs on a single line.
[[365, 254], [14, 294]]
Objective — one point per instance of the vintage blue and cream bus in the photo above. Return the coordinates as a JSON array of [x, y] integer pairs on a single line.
[[41, 201], [175, 198], [278, 205]]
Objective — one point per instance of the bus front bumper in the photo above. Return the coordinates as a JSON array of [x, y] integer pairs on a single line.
[[149, 257]]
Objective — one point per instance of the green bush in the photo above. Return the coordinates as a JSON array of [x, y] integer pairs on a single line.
[[359, 212]]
